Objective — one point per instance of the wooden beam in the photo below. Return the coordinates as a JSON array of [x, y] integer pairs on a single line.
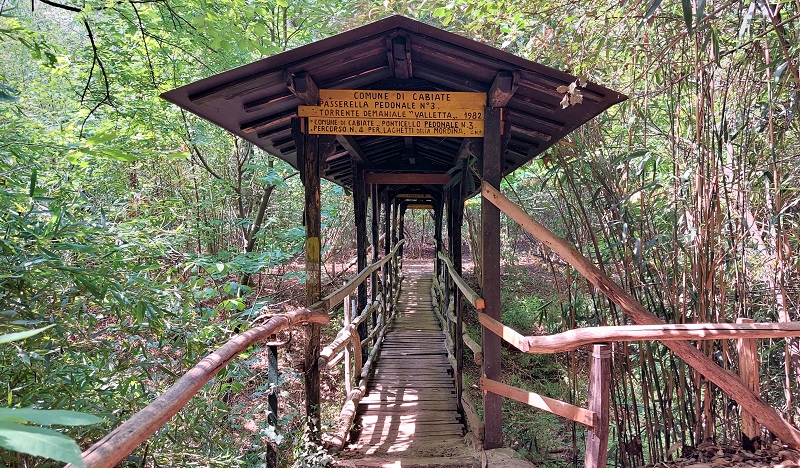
[[413, 195], [406, 178], [238, 87], [503, 88], [420, 206], [398, 51], [123, 440], [722, 378], [599, 391], [574, 339], [748, 371], [360, 215], [474, 298], [303, 87], [491, 172], [313, 223], [349, 144], [571, 412], [508, 334]]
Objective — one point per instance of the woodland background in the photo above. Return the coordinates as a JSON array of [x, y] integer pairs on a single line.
[[148, 236]]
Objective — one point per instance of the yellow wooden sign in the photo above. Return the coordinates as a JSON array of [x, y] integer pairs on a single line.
[[396, 113], [395, 127]]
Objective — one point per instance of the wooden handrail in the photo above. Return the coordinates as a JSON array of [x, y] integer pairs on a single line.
[[571, 412], [120, 442], [123, 440], [574, 339], [703, 364], [474, 298], [333, 299]]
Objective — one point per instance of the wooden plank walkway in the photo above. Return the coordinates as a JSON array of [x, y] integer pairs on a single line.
[[410, 408]]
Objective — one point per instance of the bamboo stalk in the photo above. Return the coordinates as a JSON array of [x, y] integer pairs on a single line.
[[724, 379]]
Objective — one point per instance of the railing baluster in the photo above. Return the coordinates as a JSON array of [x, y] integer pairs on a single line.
[[599, 389]]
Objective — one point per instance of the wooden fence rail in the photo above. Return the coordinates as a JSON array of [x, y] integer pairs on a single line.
[[748, 400], [123, 440]]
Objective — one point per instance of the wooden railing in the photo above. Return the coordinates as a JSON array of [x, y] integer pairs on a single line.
[[123, 440], [676, 337]]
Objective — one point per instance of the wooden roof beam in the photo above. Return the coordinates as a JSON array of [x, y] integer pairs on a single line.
[[349, 143], [398, 50], [503, 87], [302, 86], [406, 179]]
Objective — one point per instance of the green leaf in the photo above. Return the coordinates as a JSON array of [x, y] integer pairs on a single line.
[[715, 44], [652, 9], [687, 14], [9, 337], [32, 188], [48, 417], [282, 3], [701, 11], [39, 442]]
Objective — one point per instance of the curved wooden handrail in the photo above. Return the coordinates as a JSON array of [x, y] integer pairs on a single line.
[[123, 440], [474, 298], [574, 339]]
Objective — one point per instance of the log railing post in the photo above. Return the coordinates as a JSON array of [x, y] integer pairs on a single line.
[[748, 372], [599, 390], [348, 310]]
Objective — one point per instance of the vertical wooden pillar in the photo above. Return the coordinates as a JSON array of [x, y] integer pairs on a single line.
[[748, 372], [599, 389], [387, 247], [492, 171], [401, 226], [360, 215], [313, 222], [457, 204], [376, 214], [437, 233]]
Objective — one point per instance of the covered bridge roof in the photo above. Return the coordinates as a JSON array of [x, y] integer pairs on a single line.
[[254, 101]]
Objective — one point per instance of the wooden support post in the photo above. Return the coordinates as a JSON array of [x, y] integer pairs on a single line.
[[401, 227], [437, 234], [748, 372], [360, 215], [313, 222], [458, 216], [599, 390], [387, 247], [348, 316], [272, 402], [376, 215], [492, 171]]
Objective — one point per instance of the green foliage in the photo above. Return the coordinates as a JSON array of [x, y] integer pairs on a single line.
[[16, 434]]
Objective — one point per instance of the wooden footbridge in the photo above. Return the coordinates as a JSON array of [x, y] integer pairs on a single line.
[[408, 116]]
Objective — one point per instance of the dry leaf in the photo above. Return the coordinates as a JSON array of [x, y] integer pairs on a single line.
[[565, 101], [582, 80], [562, 89], [576, 98]]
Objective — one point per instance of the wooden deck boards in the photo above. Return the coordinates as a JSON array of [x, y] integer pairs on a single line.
[[411, 405]]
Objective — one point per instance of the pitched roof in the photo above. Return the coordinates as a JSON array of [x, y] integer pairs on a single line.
[[254, 102]]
